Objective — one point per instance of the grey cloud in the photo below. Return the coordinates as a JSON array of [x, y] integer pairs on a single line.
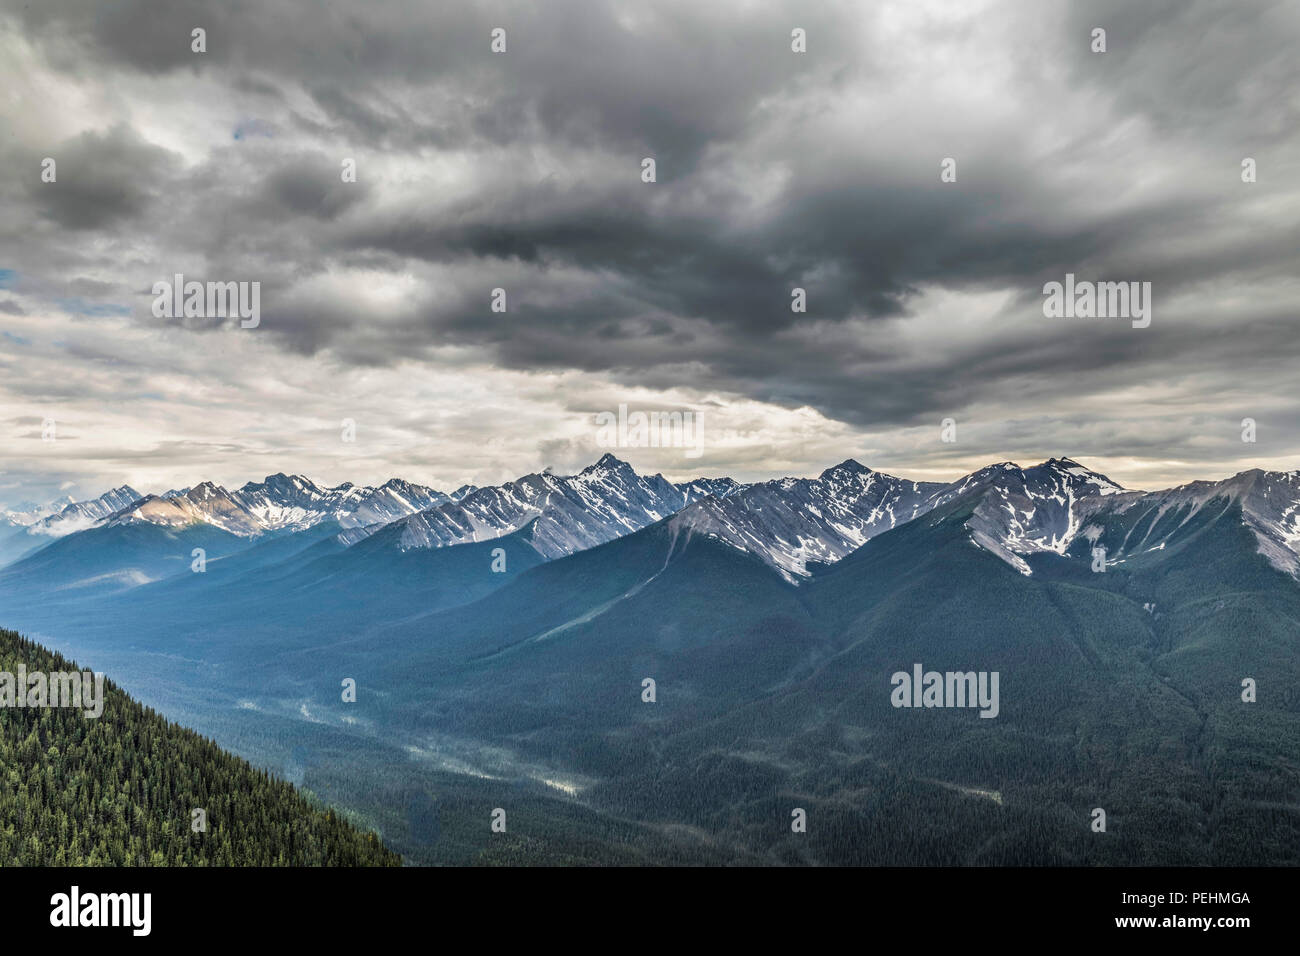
[[313, 186], [101, 179], [775, 170]]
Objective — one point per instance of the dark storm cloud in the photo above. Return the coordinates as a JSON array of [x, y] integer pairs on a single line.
[[102, 180], [311, 186], [775, 170], [678, 76]]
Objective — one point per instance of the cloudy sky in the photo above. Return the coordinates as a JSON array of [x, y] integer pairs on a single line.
[[522, 170]]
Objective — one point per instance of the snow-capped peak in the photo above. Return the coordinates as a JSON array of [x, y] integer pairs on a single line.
[[81, 515]]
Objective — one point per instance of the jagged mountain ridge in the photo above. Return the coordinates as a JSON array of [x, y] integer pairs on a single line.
[[80, 515], [1052, 507], [792, 522], [1269, 503], [1024, 511], [570, 513], [789, 523], [565, 513], [1016, 512], [280, 502], [31, 527]]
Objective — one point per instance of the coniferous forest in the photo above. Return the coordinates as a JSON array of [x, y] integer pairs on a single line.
[[120, 790]]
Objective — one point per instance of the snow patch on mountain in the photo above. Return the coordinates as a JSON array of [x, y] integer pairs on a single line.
[[81, 515], [1270, 508], [569, 513], [792, 522]]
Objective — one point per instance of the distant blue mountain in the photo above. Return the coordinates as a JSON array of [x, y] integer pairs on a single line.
[[505, 640]]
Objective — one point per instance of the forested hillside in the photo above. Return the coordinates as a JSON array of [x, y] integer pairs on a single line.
[[120, 790], [1121, 692]]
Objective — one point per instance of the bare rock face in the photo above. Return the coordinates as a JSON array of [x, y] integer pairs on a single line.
[[570, 513], [791, 522]]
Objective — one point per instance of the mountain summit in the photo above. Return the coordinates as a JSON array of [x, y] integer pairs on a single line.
[[791, 524]]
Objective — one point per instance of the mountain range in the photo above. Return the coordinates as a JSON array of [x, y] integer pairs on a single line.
[[789, 522], [501, 639], [27, 528]]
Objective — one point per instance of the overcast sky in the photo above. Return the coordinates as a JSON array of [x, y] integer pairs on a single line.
[[523, 170]]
